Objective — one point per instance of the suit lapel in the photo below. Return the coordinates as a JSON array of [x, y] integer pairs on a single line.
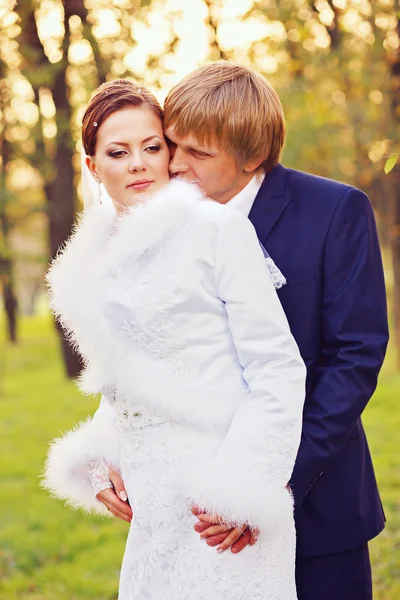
[[270, 202]]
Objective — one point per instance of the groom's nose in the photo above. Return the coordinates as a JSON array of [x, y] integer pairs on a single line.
[[178, 164]]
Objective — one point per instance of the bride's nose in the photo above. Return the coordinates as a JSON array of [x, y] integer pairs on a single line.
[[137, 163]]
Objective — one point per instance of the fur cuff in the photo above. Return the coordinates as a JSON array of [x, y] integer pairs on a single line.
[[66, 474], [240, 495]]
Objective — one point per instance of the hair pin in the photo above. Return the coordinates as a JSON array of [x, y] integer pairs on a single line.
[[95, 123], [139, 90]]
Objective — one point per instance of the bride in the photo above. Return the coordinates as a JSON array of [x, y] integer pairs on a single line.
[[167, 296]]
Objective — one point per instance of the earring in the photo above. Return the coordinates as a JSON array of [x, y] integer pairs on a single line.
[[99, 190]]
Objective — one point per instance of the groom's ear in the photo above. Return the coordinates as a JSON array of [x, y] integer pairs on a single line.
[[252, 165], [91, 165]]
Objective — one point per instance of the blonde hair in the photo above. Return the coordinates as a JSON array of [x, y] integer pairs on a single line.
[[232, 105]]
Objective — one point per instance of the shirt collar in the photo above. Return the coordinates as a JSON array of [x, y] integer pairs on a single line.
[[243, 201]]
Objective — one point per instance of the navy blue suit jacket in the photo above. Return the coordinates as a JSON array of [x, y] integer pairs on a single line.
[[322, 235]]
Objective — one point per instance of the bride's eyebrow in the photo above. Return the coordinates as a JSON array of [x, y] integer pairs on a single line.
[[117, 144], [152, 137]]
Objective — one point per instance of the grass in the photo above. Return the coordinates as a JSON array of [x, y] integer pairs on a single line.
[[48, 552]]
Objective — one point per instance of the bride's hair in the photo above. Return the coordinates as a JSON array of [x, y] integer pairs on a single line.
[[109, 98]]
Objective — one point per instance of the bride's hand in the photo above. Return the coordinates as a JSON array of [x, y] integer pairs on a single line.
[[117, 507], [115, 499], [215, 532]]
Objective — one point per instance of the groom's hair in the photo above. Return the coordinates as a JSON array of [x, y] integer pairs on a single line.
[[232, 105]]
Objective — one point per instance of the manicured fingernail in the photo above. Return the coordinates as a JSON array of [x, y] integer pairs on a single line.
[[220, 550], [210, 542], [123, 495], [234, 550]]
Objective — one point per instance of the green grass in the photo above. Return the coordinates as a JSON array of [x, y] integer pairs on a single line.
[[48, 552]]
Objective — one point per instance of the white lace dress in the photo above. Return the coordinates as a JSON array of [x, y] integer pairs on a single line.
[[186, 338], [164, 557]]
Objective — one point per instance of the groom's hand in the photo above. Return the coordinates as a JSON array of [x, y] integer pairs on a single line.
[[222, 535]]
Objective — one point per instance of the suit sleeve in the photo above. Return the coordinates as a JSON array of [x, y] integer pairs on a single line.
[[66, 473], [355, 336], [246, 481]]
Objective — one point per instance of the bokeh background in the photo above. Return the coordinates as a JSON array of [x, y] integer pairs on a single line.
[[336, 66]]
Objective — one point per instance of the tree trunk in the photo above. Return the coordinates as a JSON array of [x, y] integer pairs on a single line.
[[77, 7], [6, 261], [10, 304], [59, 189], [61, 193]]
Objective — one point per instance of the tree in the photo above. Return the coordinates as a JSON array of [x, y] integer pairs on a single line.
[[58, 171], [58, 82], [6, 261]]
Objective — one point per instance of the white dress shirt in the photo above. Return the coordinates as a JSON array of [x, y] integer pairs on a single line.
[[244, 200]]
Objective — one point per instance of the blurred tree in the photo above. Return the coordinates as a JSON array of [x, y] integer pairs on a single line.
[[6, 259], [58, 169], [52, 77]]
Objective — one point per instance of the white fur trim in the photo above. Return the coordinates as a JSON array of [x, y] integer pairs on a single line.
[[239, 495], [167, 210], [66, 473], [101, 243]]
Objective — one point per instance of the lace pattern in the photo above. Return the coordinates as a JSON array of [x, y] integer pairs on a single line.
[[139, 303], [279, 280], [98, 474], [282, 448], [164, 556]]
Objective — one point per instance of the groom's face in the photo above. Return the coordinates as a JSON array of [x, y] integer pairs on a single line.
[[210, 166]]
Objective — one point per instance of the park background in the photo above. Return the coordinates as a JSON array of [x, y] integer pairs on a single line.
[[336, 66]]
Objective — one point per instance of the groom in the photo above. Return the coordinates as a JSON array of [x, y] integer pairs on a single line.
[[226, 130]]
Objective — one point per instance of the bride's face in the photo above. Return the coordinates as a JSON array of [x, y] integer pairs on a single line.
[[131, 157]]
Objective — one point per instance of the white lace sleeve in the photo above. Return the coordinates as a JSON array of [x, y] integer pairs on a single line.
[[66, 473], [278, 279], [98, 474]]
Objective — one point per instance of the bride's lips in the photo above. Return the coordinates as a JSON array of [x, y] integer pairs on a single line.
[[142, 184]]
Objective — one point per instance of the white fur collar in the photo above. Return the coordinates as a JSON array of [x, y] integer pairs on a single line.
[[103, 242], [143, 226]]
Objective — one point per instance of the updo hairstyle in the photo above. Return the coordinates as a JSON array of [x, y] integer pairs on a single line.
[[109, 98]]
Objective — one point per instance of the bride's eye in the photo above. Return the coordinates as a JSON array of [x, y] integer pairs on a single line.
[[117, 153], [153, 148]]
